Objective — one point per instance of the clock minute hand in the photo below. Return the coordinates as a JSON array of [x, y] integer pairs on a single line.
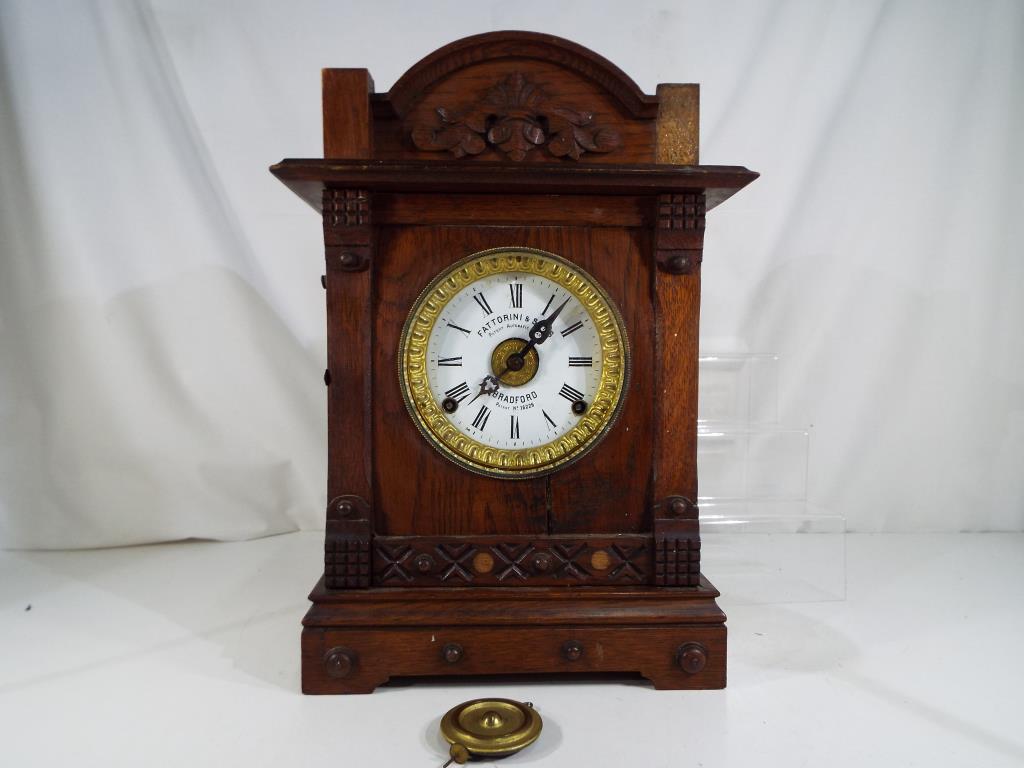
[[539, 333], [542, 328]]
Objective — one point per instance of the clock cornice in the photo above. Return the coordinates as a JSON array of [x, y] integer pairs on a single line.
[[308, 177]]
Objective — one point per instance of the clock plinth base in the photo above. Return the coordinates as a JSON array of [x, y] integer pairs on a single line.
[[356, 640]]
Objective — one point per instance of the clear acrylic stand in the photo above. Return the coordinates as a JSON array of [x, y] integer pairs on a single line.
[[762, 541]]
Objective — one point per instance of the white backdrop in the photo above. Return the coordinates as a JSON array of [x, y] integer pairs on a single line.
[[162, 322]]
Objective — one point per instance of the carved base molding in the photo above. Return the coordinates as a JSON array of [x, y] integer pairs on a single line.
[[458, 561], [356, 559]]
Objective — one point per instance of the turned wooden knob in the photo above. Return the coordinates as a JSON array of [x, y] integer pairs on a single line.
[[350, 262], [339, 662], [572, 650], [452, 653], [542, 562], [692, 657], [423, 563]]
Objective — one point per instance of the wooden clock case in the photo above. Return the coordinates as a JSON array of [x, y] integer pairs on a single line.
[[511, 139]]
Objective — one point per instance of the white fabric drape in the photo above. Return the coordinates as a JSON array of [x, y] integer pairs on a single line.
[[161, 320]]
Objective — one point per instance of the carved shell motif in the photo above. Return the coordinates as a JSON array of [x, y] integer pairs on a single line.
[[515, 117]]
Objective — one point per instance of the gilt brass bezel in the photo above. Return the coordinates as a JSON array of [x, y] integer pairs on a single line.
[[433, 422]]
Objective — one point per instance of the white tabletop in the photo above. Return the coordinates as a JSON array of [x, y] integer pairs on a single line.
[[188, 654]]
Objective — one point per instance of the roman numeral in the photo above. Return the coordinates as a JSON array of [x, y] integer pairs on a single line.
[[570, 394], [545, 310], [481, 417], [479, 299], [576, 362], [516, 289], [458, 328], [454, 361], [459, 392], [548, 418], [514, 427], [572, 328]]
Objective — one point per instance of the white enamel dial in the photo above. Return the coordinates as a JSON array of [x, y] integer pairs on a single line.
[[495, 309], [514, 362]]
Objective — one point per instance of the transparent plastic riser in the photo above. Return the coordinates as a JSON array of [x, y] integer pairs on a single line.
[[762, 541]]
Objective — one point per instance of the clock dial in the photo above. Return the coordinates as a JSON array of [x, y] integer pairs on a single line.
[[514, 362]]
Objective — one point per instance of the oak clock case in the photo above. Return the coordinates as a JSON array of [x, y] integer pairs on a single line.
[[513, 242], [537, 339]]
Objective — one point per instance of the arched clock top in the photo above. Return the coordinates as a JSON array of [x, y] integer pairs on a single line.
[[515, 97], [519, 46]]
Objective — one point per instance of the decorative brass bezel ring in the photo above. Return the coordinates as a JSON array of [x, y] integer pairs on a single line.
[[432, 421]]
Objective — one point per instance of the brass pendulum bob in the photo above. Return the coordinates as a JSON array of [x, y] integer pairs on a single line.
[[489, 728]]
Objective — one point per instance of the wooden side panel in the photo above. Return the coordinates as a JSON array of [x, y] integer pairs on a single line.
[[677, 302], [607, 491], [677, 312], [347, 133]]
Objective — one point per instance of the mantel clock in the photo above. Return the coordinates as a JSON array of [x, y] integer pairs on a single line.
[[513, 238]]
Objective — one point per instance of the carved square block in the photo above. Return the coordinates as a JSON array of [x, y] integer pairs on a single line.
[[346, 563]]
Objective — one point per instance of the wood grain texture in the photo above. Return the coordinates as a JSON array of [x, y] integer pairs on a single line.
[[519, 118], [463, 89], [678, 126], [495, 209], [419, 491], [573, 59], [677, 319], [348, 134], [497, 606], [348, 125], [594, 495], [349, 399], [392, 632], [381, 655], [308, 177], [607, 491]]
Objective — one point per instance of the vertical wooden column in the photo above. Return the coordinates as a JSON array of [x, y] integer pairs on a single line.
[[348, 242], [678, 242]]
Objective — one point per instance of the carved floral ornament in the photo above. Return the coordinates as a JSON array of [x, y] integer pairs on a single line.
[[516, 116]]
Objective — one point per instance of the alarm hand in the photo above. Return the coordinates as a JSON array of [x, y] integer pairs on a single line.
[[488, 386]]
